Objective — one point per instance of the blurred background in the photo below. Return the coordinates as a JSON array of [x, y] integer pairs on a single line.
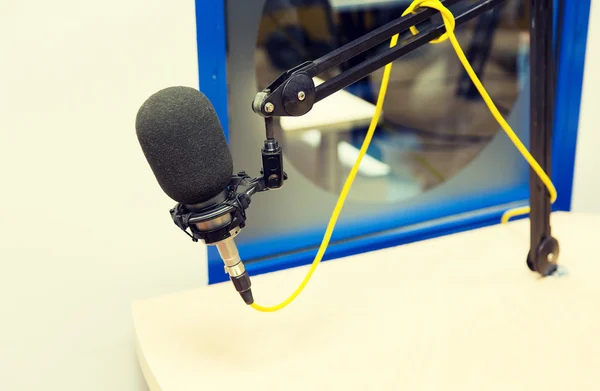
[[434, 121]]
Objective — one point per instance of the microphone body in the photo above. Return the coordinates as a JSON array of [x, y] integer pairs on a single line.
[[226, 246], [184, 144]]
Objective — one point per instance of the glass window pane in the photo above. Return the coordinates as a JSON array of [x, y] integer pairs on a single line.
[[437, 150]]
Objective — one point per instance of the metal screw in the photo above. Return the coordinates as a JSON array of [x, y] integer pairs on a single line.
[[301, 95], [269, 107], [550, 257]]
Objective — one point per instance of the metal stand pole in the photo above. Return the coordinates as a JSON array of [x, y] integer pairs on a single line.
[[543, 254]]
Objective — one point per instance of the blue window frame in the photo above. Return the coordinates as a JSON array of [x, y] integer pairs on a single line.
[[400, 227]]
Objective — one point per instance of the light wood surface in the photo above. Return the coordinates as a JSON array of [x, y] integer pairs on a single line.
[[338, 112], [461, 312]]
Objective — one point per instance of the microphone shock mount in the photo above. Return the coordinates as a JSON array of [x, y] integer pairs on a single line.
[[218, 220]]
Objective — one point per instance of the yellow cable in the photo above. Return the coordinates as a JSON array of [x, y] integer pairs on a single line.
[[340, 202], [449, 22]]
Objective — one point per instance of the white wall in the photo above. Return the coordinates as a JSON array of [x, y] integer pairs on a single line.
[[586, 188], [84, 227]]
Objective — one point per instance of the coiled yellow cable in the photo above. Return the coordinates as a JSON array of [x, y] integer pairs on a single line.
[[450, 23]]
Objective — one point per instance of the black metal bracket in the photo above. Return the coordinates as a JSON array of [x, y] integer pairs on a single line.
[[235, 203], [272, 159], [294, 93]]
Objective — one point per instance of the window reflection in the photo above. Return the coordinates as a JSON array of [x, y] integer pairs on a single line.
[[434, 123]]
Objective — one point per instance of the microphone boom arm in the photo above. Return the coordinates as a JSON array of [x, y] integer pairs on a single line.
[[218, 220], [294, 93]]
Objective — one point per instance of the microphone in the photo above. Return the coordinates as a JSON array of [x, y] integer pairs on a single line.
[[184, 144]]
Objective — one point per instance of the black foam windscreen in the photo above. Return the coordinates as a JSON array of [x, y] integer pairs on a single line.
[[182, 139]]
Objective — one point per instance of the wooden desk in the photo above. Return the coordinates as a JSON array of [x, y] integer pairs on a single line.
[[461, 312]]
